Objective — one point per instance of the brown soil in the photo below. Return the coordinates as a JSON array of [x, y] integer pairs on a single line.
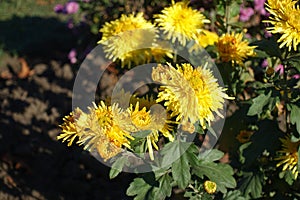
[[33, 164]]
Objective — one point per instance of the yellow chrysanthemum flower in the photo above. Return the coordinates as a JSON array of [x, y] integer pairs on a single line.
[[285, 21], [153, 120], [146, 101], [289, 155], [144, 115], [69, 129], [190, 94], [210, 187], [159, 54], [108, 124], [232, 48], [204, 39], [140, 118], [128, 39], [160, 50], [121, 97], [97, 130], [180, 22]]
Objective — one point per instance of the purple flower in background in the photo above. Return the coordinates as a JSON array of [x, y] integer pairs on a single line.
[[279, 68], [265, 63], [245, 14], [59, 8], [70, 24], [72, 56], [248, 35], [259, 7], [72, 7], [267, 34], [296, 76]]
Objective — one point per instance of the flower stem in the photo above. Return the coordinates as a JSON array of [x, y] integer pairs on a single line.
[[285, 89], [227, 16]]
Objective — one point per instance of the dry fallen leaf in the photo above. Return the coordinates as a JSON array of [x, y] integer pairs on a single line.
[[25, 70], [10, 181], [6, 74]]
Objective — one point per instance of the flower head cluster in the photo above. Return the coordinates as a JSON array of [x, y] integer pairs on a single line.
[[204, 39], [232, 48], [128, 39], [97, 130], [144, 115], [190, 94], [109, 128], [285, 21], [289, 155], [181, 22]]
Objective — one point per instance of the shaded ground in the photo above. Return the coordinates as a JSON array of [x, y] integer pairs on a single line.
[[35, 93]]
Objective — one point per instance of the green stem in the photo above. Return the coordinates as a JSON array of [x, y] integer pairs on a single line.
[[193, 188], [227, 16], [175, 57], [285, 90], [286, 100]]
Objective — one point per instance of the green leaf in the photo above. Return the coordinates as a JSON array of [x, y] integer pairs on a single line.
[[165, 185], [117, 166], [181, 171], [155, 193], [260, 54], [264, 139], [142, 134], [295, 62], [295, 115], [269, 46], [219, 173], [172, 151], [193, 151], [252, 184], [258, 103], [233, 195], [198, 128], [150, 178], [152, 190], [288, 176], [138, 188], [211, 155], [220, 11], [241, 150], [192, 195], [234, 9]]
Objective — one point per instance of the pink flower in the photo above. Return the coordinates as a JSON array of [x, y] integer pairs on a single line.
[[248, 35], [264, 64], [72, 7], [72, 56], [296, 76], [245, 14], [70, 24], [59, 8], [267, 34], [279, 68], [259, 7]]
